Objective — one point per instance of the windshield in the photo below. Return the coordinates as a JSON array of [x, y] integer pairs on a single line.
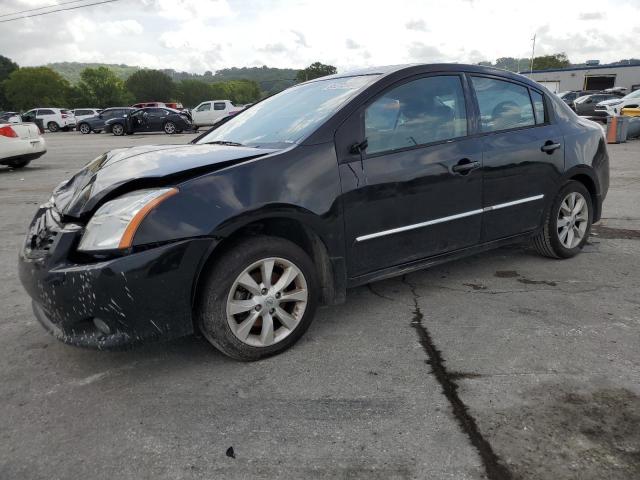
[[635, 94], [291, 115]]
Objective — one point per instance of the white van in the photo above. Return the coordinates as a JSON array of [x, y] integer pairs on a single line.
[[209, 112]]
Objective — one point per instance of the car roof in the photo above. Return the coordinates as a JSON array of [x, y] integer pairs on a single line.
[[387, 70]]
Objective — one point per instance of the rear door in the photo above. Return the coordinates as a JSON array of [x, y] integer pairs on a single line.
[[416, 192], [523, 155], [219, 111], [155, 119]]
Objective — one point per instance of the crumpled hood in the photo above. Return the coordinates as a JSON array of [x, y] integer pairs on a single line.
[[142, 166]]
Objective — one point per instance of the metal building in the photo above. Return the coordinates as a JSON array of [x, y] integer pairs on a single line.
[[589, 77]]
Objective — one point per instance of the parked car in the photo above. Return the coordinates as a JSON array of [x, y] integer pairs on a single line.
[[569, 96], [586, 104], [152, 119], [149, 104], [614, 106], [53, 119], [330, 184], [84, 113], [210, 112], [10, 117], [20, 143], [96, 123]]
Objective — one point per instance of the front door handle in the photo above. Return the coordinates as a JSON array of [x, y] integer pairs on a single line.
[[549, 147], [464, 166]]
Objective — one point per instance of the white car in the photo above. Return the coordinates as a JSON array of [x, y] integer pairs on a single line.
[[82, 113], [10, 117], [613, 107], [20, 143], [53, 119], [211, 111]]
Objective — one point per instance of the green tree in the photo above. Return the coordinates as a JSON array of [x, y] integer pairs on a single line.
[[6, 68], [151, 85], [545, 62], [102, 88], [31, 87], [315, 70], [192, 92], [243, 91]]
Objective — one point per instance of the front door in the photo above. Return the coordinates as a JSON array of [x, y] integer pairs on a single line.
[[523, 157], [416, 190]]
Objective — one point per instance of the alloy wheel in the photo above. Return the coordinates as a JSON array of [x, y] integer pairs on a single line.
[[267, 302], [117, 129], [169, 128], [84, 128], [573, 220]]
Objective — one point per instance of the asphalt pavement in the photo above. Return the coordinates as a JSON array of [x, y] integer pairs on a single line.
[[505, 365]]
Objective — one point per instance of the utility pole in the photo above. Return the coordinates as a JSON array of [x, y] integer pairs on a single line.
[[533, 51]]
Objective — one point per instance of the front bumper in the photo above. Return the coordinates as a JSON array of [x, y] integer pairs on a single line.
[[113, 303]]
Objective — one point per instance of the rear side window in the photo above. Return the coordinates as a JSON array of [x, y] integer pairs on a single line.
[[423, 111], [83, 112], [45, 112], [538, 107], [503, 105], [205, 107], [219, 106]]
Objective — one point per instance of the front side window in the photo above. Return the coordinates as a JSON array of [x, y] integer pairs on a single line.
[[205, 107], [219, 106], [503, 105], [423, 111], [538, 106], [291, 115]]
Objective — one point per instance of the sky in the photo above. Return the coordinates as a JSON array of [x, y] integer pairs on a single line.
[[201, 35]]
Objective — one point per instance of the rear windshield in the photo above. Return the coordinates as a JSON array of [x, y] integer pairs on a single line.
[[289, 116]]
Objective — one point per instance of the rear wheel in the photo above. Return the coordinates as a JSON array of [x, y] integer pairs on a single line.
[[117, 129], [84, 128], [258, 299], [567, 223], [53, 127], [169, 128]]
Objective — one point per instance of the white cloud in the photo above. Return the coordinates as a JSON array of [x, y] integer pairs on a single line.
[[199, 35]]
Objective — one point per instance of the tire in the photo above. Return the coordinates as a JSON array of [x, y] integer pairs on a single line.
[[169, 128], [53, 127], [18, 163], [551, 241], [84, 128], [215, 320], [117, 129]]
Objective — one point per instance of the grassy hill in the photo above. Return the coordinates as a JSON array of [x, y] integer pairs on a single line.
[[271, 80]]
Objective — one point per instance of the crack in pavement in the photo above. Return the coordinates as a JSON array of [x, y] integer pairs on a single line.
[[494, 469]]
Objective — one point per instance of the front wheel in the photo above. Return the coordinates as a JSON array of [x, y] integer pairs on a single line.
[[258, 299], [169, 128], [567, 222], [117, 129]]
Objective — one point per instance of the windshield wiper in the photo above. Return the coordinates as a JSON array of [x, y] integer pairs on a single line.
[[224, 142]]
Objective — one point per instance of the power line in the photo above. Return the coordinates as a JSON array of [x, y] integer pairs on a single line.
[[41, 8], [58, 10]]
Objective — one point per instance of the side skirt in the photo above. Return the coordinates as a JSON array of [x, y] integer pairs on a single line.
[[435, 260]]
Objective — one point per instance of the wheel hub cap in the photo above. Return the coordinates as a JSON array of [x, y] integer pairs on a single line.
[[266, 302], [573, 220]]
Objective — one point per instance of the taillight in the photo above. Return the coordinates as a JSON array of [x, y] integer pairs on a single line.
[[7, 131], [64, 115]]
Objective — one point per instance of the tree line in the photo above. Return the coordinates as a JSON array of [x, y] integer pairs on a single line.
[[22, 88]]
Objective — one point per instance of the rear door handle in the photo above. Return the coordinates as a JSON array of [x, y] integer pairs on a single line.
[[549, 147], [465, 165]]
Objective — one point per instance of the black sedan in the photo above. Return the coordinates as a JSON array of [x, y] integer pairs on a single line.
[[150, 119], [330, 184], [97, 122]]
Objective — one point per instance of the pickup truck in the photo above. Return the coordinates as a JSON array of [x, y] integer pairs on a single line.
[[211, 111]]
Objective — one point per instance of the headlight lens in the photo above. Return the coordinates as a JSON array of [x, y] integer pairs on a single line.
[[115, 223]]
